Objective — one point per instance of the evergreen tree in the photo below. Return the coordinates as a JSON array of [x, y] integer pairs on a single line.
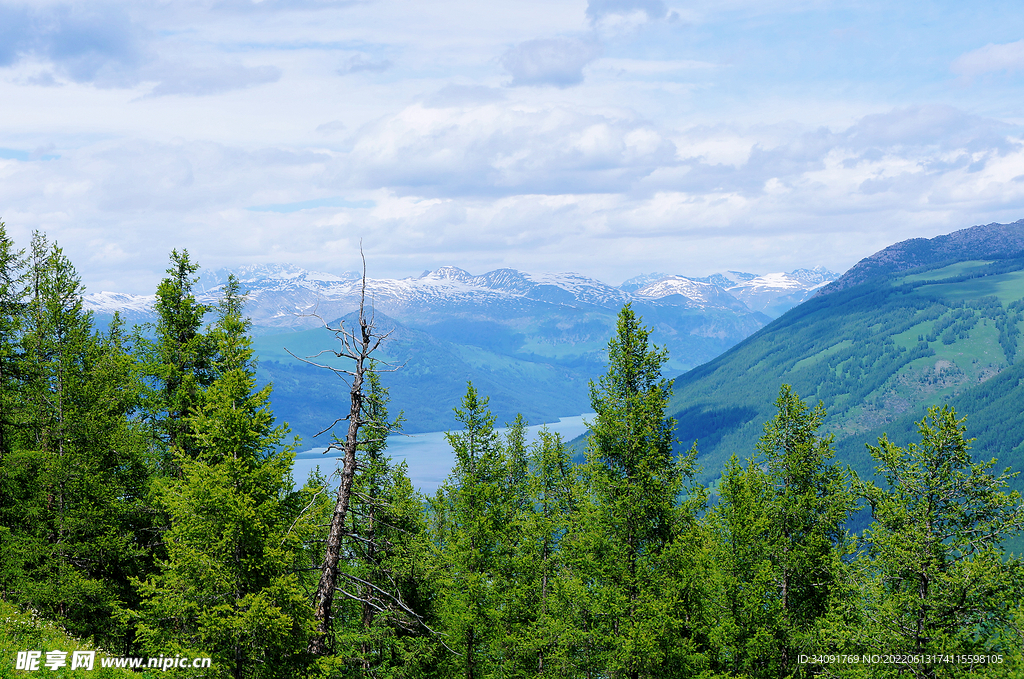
[[179, 359], [539, 620], [469, 531], [381, 622], [781, 522], [939, 580], [12, 310], [633, 517], [79, 470], [228, 586]]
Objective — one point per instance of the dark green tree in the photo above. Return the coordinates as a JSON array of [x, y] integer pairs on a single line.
[[229, 586], [79, 470], [12, 311], [381, 621], [179, 359]]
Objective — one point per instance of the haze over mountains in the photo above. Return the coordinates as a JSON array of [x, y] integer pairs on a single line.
[[530, 341]]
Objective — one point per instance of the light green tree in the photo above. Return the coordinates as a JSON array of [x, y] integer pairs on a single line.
[[937, 578], [469, 532], [783, 542], [633, 618]]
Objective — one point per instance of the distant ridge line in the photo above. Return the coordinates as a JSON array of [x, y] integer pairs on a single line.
[[989, 240]]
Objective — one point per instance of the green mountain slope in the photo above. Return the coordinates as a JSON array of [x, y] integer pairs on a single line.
[[537, 365], [877, 354]]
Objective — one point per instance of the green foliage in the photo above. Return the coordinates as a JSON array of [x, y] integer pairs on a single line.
[[380, 622], [938, 581], [469, 529], [178, 361], [77, 474], [631, 520], [227, 587], [160, 516], [781, 542]]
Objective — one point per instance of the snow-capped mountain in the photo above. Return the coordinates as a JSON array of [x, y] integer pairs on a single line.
[[288, 297], [772, 294], [692, 292], [775, 293], [532, 340]]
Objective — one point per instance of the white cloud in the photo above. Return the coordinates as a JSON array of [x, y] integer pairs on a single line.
[[550, 61], [990, 59]]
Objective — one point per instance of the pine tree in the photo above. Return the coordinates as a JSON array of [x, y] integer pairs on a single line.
[[79, 468], [12, 310], [537, 618], [633, 516], [781, 520], [469, 531], [228, 586], [940, 581], [179, 359]]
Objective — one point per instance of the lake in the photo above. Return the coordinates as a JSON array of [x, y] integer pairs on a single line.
[[429, 456]]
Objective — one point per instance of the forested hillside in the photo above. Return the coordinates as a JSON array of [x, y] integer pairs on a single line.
[[147, 507], [877, 354]]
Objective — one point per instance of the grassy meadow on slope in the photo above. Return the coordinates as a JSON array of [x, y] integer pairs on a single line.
[[876, 355]]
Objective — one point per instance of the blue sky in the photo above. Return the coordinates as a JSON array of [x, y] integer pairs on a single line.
[[608, 137]]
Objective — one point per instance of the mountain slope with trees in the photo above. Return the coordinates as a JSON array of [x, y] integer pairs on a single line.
[[877, 354]]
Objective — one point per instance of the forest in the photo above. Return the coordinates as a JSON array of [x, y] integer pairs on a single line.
[[147, 507]]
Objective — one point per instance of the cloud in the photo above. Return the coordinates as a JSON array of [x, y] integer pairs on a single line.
[[498, 150], [86, 44], [454, 96], [550, 61], [601, 9], [991, 58], [100, 44], [283, 5], [360, 63], [188, 79]]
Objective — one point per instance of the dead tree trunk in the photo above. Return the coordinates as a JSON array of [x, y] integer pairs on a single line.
[[357, 345]]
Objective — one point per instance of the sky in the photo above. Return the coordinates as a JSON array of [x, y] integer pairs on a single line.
[[605, 137]]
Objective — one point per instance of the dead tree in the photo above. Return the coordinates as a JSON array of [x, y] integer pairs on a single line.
[[357, 344]]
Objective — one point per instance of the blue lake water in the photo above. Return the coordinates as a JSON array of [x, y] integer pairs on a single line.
[[429, 456]]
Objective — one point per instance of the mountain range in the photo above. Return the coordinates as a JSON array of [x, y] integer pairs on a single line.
[[531, 341]]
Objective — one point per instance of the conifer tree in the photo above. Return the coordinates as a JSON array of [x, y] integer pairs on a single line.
[[12, 310], [632, 516], [940, 581], [179, 359], [469, 531], [79, 470], [381, 621], [228, 585], [538, 618], [781, 521]]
